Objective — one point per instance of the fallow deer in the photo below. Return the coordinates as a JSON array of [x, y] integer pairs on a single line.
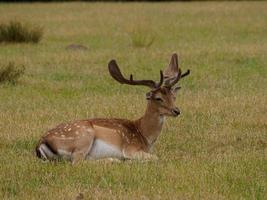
[[117, 138]]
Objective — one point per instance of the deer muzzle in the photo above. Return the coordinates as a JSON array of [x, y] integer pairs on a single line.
[[176, 112]]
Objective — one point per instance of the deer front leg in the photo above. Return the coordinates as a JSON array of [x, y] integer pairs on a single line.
[[141, 155], [108, 160], [134, 153]]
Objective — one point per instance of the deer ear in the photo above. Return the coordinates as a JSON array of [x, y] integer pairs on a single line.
[[148, 95]]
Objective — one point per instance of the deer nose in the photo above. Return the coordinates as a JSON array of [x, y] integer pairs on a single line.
[[176, 111]]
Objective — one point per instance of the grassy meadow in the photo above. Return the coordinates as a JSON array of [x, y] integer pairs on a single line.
[[217, 148]]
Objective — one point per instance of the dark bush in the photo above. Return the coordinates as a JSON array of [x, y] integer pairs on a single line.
[[17, 32], [11, 73]]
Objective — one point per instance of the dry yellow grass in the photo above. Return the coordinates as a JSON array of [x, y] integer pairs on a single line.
[[217, 149]]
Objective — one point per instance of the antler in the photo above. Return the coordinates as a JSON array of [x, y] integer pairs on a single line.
[[172, 81], [115, 72], [172, 74]]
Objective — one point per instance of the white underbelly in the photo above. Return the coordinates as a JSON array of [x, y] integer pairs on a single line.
[[101, 149]]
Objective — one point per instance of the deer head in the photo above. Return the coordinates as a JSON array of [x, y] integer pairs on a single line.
[[172, 73], [161, 96]]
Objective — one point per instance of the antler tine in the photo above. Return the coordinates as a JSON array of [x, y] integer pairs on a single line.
[[172, 83], [161, 79], [115, 72], [186, 73], [169, 83], [172, 73]]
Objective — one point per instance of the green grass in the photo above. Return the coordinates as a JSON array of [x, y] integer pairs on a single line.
[[217, 148]]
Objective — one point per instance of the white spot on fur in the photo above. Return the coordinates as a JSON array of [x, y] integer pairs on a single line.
[[69, 129], [127, 140]]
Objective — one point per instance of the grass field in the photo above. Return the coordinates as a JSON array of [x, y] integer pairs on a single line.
[[217, 148]]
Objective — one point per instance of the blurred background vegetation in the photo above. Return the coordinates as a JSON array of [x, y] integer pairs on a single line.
[[216, 149]]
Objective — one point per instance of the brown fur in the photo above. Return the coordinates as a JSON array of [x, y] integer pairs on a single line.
[[132, 139], [128, 136]]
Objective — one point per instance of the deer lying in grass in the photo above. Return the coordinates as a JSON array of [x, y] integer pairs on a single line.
[[117, 138]]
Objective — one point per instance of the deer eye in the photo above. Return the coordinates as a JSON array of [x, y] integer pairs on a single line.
[[158, 99]]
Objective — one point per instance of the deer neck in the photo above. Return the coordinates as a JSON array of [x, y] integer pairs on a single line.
[[150, 124]]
